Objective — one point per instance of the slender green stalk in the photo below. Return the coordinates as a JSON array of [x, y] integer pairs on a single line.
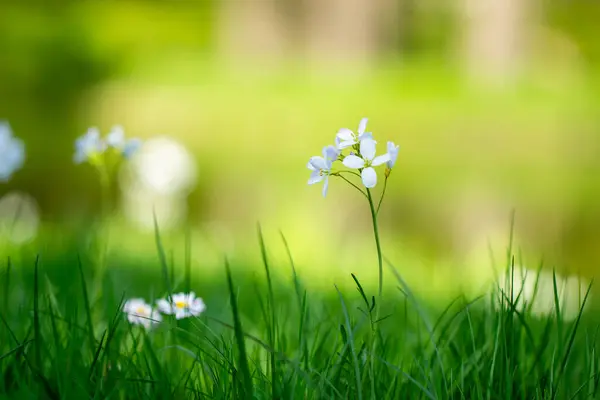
[[378, 244], [356, 187], [380, 290], [103, 231], [382, 194]]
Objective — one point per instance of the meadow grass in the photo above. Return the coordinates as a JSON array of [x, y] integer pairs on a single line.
[[274, 338]]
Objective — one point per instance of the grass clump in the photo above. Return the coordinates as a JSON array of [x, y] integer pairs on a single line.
[[57, 342]]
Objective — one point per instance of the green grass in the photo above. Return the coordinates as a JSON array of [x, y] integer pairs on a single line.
[[267, 337]]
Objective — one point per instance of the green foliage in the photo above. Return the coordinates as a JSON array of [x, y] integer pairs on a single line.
[[57, 342]]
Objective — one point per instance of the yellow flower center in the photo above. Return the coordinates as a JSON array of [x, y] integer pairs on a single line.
[[140, 311], [181, 304]]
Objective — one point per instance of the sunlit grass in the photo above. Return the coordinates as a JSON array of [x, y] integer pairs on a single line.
[[274, 336]]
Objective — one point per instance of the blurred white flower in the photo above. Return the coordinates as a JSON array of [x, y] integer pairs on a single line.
[[393, 152], [140, 313], [182, 305], [157, 182], [141, 205], [116, 140], [346, 138], [12, 152], [89, 146], [321, 167], [367, 162], [536, 292], [165, 166]]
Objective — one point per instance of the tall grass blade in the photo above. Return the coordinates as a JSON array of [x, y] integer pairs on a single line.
[[271, 306], [350, 342], [86, 304], [248, 390]]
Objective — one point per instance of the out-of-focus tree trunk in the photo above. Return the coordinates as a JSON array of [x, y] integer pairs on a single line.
[[348, 31], [494, 37], [252, 29]]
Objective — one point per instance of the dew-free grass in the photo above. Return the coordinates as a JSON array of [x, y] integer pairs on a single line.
[[56, 342]]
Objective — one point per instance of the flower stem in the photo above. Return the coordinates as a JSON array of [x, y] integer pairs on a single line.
[[378, 244], [356, 187], [104, 231], [375, 321], [382, 194], [349, 172]]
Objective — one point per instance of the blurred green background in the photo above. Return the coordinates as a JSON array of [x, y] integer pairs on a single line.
[[495, 106]]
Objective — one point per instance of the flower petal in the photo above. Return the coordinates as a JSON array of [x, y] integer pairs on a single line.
[[315, 177], [318, 162], [366, 135], [381, 159], [197, 306], [131, 147], [369, 177], [164, 306], [325, 186], [367, 149], [116, 137], [362, 125], [345, 144], [330, 153], [345, 134], [181, 313], [353, 161], [393, 152]]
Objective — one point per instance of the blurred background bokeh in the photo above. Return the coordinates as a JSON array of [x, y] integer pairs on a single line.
[[495, 105]]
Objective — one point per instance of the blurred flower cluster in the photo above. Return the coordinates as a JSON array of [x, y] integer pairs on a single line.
[[91, 146], [181, 305]]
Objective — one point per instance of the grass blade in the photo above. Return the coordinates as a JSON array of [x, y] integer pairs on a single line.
[[350, 341], [271, 306], [239, 337]]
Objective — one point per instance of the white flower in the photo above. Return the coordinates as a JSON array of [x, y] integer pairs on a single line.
[[321, 167], [393, 152], [89, 146], [140, 313], [12, 152], [116, 140], [367, 162], [182, 305], [346, 138]]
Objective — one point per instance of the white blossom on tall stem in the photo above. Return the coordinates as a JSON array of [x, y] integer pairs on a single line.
[[321, 167], [140, 313], [366, 162], [183, 305], [393, 152], [346, 138], [116, 140], [12, 152], [89, 146]]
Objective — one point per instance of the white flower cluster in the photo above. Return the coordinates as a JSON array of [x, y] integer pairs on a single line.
[[362, 157], [12, 152], [182, 305], [91, 145]]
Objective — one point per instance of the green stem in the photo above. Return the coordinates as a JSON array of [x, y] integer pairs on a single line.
[[356, 187], [378, 244], [104, 232], [375, 321], [349, 172], [382, 194]]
